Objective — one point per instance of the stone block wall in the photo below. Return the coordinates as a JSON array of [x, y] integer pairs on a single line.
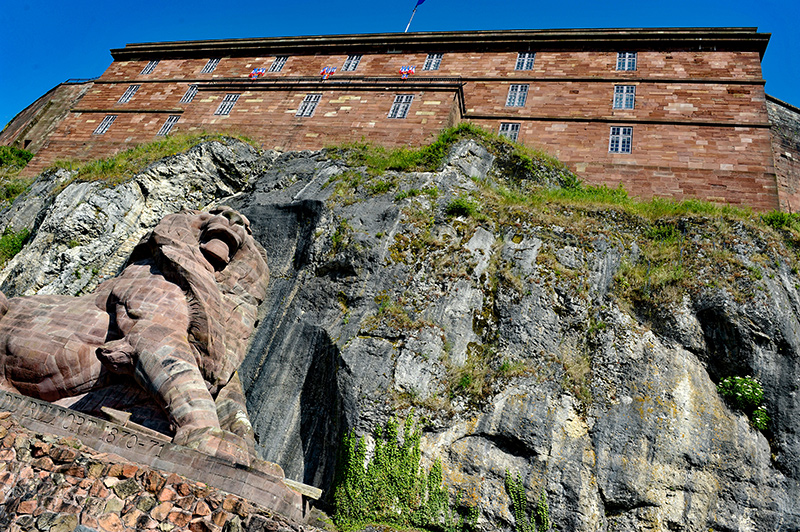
[[700, 121], [785, 136], [56, 484]]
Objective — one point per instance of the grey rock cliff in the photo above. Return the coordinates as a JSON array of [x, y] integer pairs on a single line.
[[508, 334]]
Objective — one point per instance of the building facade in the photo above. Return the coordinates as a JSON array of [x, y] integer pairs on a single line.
[[676, 113]]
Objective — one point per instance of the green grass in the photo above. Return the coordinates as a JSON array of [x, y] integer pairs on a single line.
[[11, 243], [12, 161], [123, 166]]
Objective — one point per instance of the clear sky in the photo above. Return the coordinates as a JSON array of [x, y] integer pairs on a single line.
[[46, 42]]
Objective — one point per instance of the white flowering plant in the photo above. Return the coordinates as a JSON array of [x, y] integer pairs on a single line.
[[746, 394]]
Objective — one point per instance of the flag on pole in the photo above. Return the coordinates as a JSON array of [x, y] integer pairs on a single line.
[[419, 3]]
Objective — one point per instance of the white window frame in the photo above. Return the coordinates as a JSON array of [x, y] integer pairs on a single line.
[[620, 139], [525, 61], [278, 64], [149, 67], [104, 124], [169, 123], [401, 105], [626, 60], [189, 95], [309, 104], [351, 63], [624, 97], [517, 95], [227, 104], [128, 94], [210, 66], [432, 62], [510, 130]]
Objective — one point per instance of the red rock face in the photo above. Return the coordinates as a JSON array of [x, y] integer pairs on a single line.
[[176, 321]]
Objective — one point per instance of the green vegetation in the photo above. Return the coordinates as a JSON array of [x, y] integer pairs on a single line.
[[519, 507], [391, 487], [378, 159], [461, 206], [11, 243], [123, 166], [746, 394], [12, 161]]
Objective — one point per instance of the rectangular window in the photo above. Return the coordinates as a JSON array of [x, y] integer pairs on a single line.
[[351, 63], [227, 104], [167, 127], [128, 94], [148, 69], [626, 61], [210, 66], [309, 104], [105, 124], [525, 61], [278, 64], [509, 130], [517, 94], [191, 92], [624, 96], [621, 140], [401, 105], [432, 62]]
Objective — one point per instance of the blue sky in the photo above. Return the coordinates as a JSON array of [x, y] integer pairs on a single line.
[[44, 43]]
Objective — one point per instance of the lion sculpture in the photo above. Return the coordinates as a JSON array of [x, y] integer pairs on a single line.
[[177, 320]]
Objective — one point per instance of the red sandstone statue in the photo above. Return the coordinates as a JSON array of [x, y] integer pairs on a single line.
[[177, 319]]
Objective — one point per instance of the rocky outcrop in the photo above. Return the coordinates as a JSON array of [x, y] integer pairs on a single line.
[[526, 336]]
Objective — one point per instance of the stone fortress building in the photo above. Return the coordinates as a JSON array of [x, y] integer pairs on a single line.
[[671, 112]]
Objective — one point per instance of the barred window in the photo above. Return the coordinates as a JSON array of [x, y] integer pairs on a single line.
[[401, 105], [509, 130], [227, 104], [432, 62], [167, 127], [624, 96], [189, 95], [148, 69], [128, 94], [105, 124], [309, 104], [351, 63], [626, 61], [517, 94], [279, 63], [621, 140], [525, 61], [210, 66]]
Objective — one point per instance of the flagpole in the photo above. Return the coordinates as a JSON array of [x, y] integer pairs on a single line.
[[412, 18]]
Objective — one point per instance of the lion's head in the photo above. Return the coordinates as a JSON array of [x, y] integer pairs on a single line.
[[223, 271]]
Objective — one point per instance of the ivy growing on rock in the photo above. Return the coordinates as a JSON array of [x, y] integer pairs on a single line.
[[519, 507], [389, 485]]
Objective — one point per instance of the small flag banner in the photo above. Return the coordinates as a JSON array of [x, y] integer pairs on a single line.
[[257, 73], [419, 3], [327, 72], [406, 70]]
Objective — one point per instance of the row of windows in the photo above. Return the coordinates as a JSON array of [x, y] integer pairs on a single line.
[[620, 139], [624, 96], [399, 109], [625, 61]]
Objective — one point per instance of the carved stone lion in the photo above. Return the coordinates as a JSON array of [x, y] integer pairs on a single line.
[[176, 320]]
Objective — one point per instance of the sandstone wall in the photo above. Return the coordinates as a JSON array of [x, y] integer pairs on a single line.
[[785, 136], [58, 484]]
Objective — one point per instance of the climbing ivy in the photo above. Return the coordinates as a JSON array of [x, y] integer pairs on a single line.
[[519, 507], [391, 487]]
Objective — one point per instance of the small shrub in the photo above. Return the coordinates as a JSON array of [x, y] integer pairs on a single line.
[[461, 206], [779, 220], [11, 243], [11, 157], [519, 507], [745, 394]]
